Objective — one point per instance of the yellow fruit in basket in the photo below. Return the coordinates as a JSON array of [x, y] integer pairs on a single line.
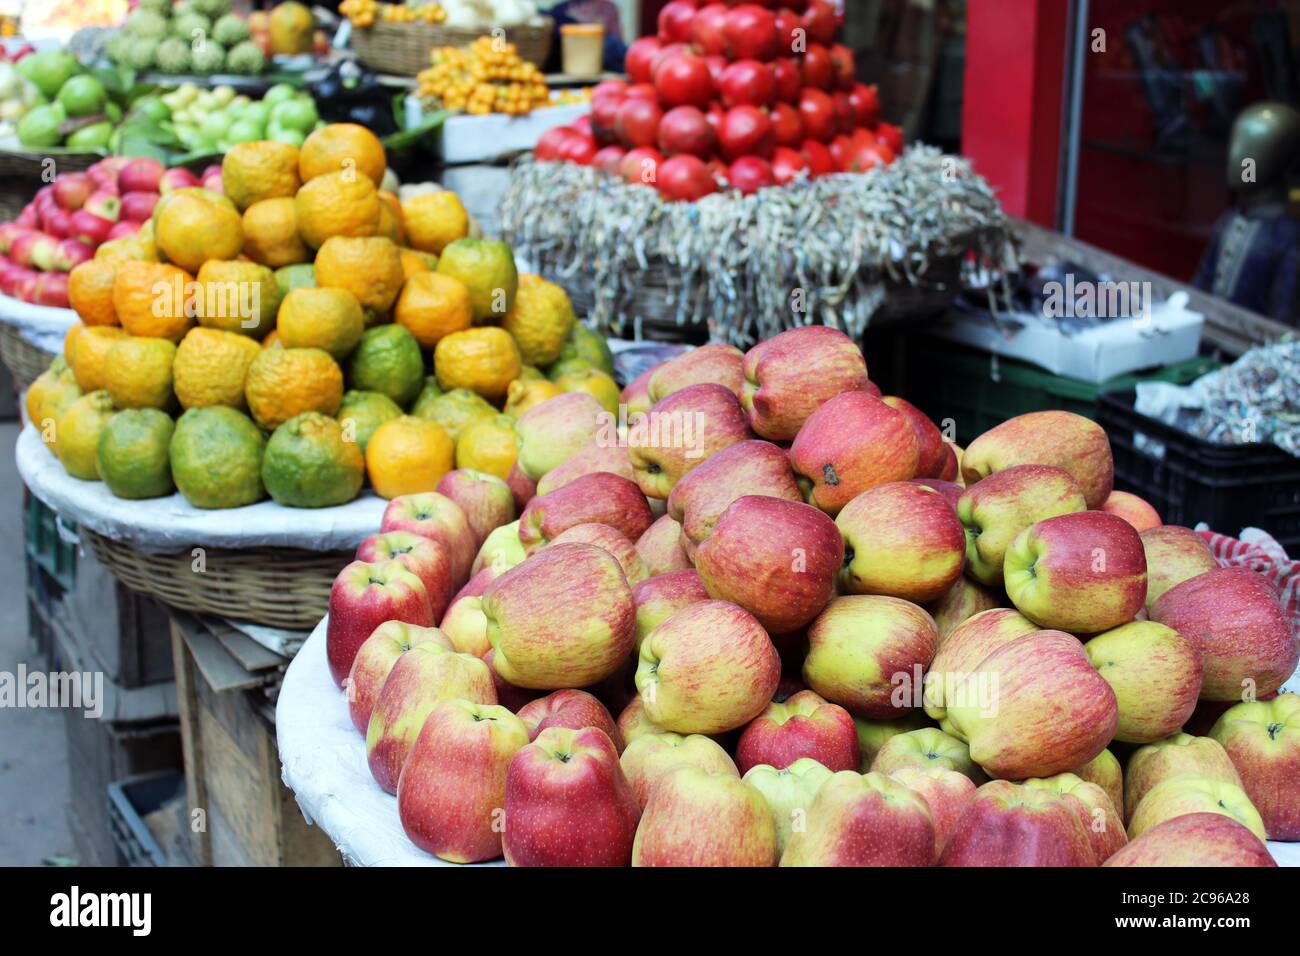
[[337, 204], [454, 411], [432, 306], [487, 266], [70, 342], [195, 225], [90, 357], [488, 444], [139, 372], [49, 397], [342, 148], [595, 383], [265, 169], [484, 360], [238, 296], [210, 368], [78, 431], [272, 340], [329, 319], [282, 383], [271, 234], [150, 299], [524, 393], [408, 455], [137, 248], [90, 291], [391, 223], [413, 262], [540, 319], [435, 220], [369, 267], [292, 27]]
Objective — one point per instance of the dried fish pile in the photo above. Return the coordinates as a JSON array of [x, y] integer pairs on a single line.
[[835, 250], [1255, 399]]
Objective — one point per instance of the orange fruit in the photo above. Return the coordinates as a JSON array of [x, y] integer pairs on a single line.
[[369, 267], [138, 373], [210, 368], [259, 170], [90, 358], [151, 299], [337, 204], [329, 319], [196, 225], [408, 455], [413, 262], [488, 444], [271, 233], [432, 306], [342, 148], [90, 291], [70, 342], [282, 383], [484, 360], [390, 218], [525, 393], [434, 220], [238, 296]]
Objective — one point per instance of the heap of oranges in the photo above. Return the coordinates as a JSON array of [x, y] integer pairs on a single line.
[[363, 13], [487, 77], [301, 333]]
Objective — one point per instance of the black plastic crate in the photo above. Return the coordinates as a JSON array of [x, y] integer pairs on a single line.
[[129, 802], [1188, 479]]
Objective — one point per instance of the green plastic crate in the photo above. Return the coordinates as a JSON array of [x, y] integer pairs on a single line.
[[977, 390], [46, 546]]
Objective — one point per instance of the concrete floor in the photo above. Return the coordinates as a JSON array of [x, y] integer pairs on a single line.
[[33, 753]]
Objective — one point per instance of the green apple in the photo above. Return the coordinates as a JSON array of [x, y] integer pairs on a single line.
[[1189, 794], [789, 793]]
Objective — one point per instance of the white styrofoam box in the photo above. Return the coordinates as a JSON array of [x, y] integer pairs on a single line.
[[478, 139], [1170, 333]]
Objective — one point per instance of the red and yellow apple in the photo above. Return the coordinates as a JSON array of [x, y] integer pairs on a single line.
[[599, 498], [863, 820], [792, 374], [1263, 740], [650, 756], [803, 725], [438, 517], [1155, 673], [1064, 439], [697, 818], [717, 364], [1174, 554], [363, 596]]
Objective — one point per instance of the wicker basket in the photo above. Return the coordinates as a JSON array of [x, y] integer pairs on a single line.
[[274, 587], [24, 360], [403, 48]]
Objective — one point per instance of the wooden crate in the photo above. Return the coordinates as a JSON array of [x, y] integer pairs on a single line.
[[232, 766]]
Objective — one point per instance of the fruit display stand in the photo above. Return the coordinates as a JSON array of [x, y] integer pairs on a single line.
[[847, 250], [404, 47], [30, 336], [263, 563]]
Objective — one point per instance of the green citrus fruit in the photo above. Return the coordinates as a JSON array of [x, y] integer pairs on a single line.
[[133, 453], [310, 463], [487, 267], [216, 457], [388, 360], [589, 346], [365, 411]]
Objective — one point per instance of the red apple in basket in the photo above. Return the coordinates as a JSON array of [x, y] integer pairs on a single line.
[[745, 468], [1263, 740], [427, 559], [707, 669], [1247, 642], [789, 792], [570, 708], [660, 597], [1064, 439], [851, 443], [501, 551], [375, 659], [864, 820], [866, 653], [451, 794], [1132, 509], [717, 364], [697, 818], [138, 206], [611, 540], [552, 430], [997, 508], [803, 725], [1081, 573], [636, 393], [661, 547], [932, 450], [902, 540], [959, 603], [596, 457], [633, 722], [1174, 554], [485, 499], [1180, 755], [650, 756], [681, 432], [71, 190], [1093, 807], [1195, 839], [1008, 824], [363, 597], [945, 792], [925, 748], [143, 174], [438, 517], [423, 677], [965, 648], [600, 498], [521, 487], [563, 618], [1155, 673], [567, 802]]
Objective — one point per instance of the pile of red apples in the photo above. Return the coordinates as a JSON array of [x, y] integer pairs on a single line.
[[830, 637], [71, 217], [732, 95]]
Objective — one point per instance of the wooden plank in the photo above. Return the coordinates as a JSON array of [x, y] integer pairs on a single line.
[[217, 665], [195, 779], [250, 654], [1227, 327]]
